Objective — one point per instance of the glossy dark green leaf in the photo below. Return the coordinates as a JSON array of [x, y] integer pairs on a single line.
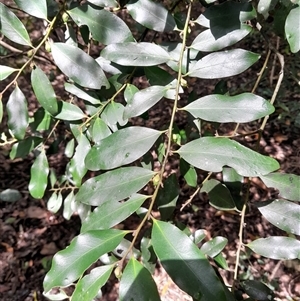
[[257, 290], [10, 195], [121, 148], [240, 108], [151, 15], [113, 115], [70, 147], [22, 148], [276, 247], [291, 32], [114, 185], [54, 203], [70, 263], [111, 213], [79, 66], [287, 184], [212, 153], [135, 54], [167, 197], [137, 283], [223, 64], [44, 91], [189, 173], [88, 287], [86, 95], [41, 120], [77, 166], [219, 195], [185, 263], [39, 176], [6, 71], [198, 236], [105, 3], [144, 100], [214, 246], [12, 27], [104, 25], [68, 111], [283, 214], [99, 130], [17, 113], [34, 8]]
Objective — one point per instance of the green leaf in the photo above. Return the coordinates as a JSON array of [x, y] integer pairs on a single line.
[[70, 263], [129, 92], [219, 195], [189, 173], [39, 176], [121, 148], [291, 32], [104, 26], [276, 247], [68, 111], [113, 114], [77, 166], [257, 290], [283, 214], [112, 213], [137, 283], [264, 6], [151, 15], [135, 54], [223, 64], [99, 130], [144, 100], [41, 120], [68, 202], [287, 184], [86, 95], [44, 91], [6, 71], [114, 185], [79, 66], [214, 246], [54, 203], [34, 8], [17, 113], [10, 195], [22, 148], [185, 263], [88, 287], [198, 236], [240, 108], [12, 27], [105, 3], [212, 153]]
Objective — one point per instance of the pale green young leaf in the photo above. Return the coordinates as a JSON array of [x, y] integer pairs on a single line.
[[276, 247], [79, 66], [135, 54], [12, 27], [129, 92], [6, 71], [105, 3], [17, 113], [152, 15], [121, 148], [44, 91], [88, 287], [185, 263], [291, 29], [67, 212], [79, 92], [283, 214], [114, 185], [68, 111], [212, 153], [69, 264], [39, 176], [214, 246], [34, 8], [223, 64], [144, 100], [137, 283], [104, 25], [110, 214], [55, 201], [287, 184]]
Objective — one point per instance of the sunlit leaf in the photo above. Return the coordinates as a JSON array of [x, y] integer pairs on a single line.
[[54, 203], [214, 246], [121, 148], [17, 113], [110, 214], [70, 263], [212, 153], [114, 185], [39, 176], [223, 64], [151, 15], [86, 95], [198, 236], [287, 184], [113, 115], [283, 214], [88, 287], [67, 213], [35, 8], [105, 3], [68, 111], [12, 27], [99, 130], [189, 173], [137, 283], [292, 34], [276, 247], [6, 71], [135, 54], [104, 25], [79, 66], [177, 252]]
